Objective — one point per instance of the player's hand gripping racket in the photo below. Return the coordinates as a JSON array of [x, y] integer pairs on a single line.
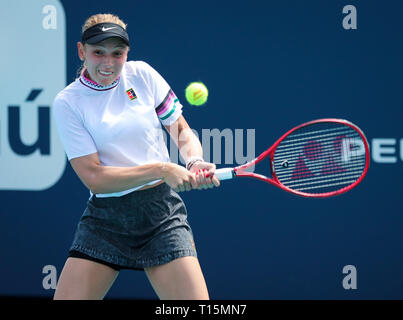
[[320, 158]]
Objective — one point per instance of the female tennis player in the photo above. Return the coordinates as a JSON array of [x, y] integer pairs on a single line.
[[109, 121]]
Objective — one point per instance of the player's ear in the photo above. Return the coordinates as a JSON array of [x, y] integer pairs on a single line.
[[80, 49]]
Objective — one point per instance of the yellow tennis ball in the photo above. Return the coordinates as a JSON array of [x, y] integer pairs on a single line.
[[196, 93]]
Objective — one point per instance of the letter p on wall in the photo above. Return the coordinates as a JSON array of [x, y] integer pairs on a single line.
[[34, 71]]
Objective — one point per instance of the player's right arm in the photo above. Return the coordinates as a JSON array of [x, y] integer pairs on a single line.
[[82, 153], [108, 179]]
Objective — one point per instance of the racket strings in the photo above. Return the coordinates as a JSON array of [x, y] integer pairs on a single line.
[[321, 163], [312, 151], [321, 131], [302, 141], [320, 158], [317, 173], [323, 186], [312, 181]]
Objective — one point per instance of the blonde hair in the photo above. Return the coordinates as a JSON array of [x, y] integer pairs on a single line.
[[103, 18]]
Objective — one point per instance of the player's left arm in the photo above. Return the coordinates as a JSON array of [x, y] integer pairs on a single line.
[[192, 152]]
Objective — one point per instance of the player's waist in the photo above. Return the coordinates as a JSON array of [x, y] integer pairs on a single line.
[[149, 185], [145, 187]]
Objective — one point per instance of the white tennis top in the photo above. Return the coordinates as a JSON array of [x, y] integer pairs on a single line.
[[122, 122]]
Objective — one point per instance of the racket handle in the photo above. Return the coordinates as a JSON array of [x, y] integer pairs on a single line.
[[225, 173]]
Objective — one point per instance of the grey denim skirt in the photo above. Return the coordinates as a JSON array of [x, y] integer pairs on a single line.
[[138, 230]]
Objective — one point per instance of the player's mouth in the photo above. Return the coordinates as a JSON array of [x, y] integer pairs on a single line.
[[105, 73]]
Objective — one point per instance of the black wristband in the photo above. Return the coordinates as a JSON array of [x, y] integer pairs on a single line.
[[190, 164]]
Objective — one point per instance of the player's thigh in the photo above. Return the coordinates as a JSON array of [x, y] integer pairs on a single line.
[[179, 279], [84, 279]]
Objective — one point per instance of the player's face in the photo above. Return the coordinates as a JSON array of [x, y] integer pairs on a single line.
[[104, 61]]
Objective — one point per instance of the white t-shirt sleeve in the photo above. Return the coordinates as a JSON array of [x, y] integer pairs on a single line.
[[167, 105], [76, 139]]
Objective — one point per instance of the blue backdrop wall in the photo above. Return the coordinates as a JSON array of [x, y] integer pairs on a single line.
[[269, 66]]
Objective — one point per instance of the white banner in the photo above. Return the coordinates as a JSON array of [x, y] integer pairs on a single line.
[[33, 66]]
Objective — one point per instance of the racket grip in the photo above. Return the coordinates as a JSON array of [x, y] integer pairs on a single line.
[[225, 173]]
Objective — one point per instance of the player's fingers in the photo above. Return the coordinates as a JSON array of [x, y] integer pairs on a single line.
[[193, 181], [181, 187], [210, 184], [211, 170], [215, 181], [209, 179], [205, 179], [187, 186], [201, 180]]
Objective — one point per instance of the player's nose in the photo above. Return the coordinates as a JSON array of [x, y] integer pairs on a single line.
[[107, 61]]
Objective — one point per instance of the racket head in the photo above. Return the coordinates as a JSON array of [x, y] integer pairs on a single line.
[[320, 158]]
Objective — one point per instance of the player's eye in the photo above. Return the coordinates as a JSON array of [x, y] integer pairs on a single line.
[[98, 52], [118, 54]]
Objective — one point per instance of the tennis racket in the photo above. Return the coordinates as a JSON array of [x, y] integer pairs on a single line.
[[320, 158]]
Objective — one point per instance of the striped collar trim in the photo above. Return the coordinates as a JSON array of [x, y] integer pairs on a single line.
[[95, 86]]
